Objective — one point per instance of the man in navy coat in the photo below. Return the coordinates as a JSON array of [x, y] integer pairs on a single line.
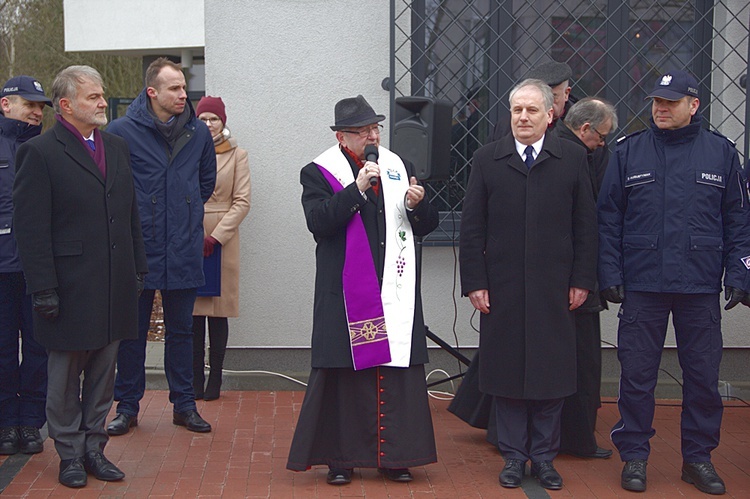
[[174, 165], [24, 387], [673, 220]]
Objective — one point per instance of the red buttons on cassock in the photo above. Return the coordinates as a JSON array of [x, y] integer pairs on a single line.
[[382, 453], [382, 440], [382, 390], [382, 377], [382, 415], [382, 402], [382, 428]]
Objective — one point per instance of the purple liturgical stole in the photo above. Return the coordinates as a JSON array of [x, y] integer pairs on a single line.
[[364, 308]]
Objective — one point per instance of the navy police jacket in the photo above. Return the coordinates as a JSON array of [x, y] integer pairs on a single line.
[[13, 133], [674, 214]]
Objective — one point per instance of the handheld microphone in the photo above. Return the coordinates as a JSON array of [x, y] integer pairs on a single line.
[[372, 154]]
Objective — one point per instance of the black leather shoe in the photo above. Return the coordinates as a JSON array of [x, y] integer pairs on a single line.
[[102, 468], [72, 473], [548, 477], [9, 440], [397, 474], [121, 424], [339, 476], [599, 453], [704, 477], [30, 440], [634, 475], [191, 420], [512, 473]]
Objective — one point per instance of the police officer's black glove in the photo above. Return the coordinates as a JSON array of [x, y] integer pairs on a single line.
[[735, 296], [615, 294], [46, 303], [139, 283]]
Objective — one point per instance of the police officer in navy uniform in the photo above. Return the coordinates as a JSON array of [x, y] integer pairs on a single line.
[[673, 218]]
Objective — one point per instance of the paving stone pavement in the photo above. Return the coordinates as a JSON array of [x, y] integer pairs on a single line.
[[245, 456]]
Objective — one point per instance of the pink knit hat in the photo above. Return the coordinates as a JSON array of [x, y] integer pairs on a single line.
[[214, 105]]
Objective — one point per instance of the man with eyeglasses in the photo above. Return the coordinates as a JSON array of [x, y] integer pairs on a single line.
[[673, 220], [366, 401], [587, 123], [174, 166]]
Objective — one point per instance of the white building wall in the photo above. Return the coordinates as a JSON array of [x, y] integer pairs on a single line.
[[280, 67], [133, 26]]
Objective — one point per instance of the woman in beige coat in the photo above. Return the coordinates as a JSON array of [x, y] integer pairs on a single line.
[[224, 212]]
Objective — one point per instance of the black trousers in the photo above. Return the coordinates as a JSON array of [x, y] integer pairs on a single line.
[[528, 429], [578, 419]]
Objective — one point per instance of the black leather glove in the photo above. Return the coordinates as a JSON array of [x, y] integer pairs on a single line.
[[735, 296], [139, 277], [615, 294], [46, 303]]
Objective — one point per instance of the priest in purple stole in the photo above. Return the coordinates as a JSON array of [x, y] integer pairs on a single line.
[[366, 402]]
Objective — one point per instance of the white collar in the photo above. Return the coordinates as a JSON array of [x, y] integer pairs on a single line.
[[521, 148]]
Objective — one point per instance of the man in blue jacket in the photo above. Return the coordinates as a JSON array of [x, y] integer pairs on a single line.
[[174, 165], [673, 218], [23, 388]]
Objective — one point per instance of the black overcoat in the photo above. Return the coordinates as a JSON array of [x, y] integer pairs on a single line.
[[80, 235], [528, 236], [327, 216], [597, 163]]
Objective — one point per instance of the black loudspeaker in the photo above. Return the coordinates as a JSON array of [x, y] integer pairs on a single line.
[[422, 135]]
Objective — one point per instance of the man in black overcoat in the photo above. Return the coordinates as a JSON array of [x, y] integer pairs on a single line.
[[527, 256], [79, 238], [587, 123]]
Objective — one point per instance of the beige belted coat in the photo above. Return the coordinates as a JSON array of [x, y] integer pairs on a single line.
[[224, 211]]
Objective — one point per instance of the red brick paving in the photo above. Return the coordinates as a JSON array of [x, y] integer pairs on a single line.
[[245, 456]]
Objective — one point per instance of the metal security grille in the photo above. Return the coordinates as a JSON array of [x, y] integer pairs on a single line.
[[471, 52]]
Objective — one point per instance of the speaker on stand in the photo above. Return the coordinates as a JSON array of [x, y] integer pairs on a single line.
[[422, 136]]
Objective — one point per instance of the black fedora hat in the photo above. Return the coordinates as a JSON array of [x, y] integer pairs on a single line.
[[354, 112]]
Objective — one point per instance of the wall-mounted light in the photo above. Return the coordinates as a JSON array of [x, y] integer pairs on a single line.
[[186, 58]]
